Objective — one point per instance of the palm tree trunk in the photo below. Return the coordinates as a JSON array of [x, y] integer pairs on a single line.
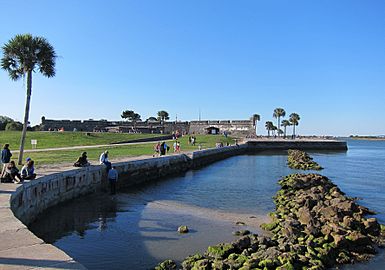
[[293, 131], [26, 116], [278, 125], [284, 135]]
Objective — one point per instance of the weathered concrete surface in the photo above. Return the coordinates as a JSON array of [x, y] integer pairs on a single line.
[[21, 249]]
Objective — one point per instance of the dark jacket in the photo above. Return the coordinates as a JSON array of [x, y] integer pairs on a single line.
[[6, 155]]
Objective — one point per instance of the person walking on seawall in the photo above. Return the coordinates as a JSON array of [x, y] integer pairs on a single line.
[[5, 158], [112, 179], [104, 160]]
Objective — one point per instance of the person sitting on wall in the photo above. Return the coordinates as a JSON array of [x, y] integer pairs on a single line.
[[28, 170], [104, 160], [12, 173], [82, 161]]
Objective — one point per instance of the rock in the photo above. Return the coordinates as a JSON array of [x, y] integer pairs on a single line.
[[183, 229], [339, 240], [188, 263], [242, 243], [304, 215], [203, 264], [372, 227], [241, 232], [329, 212], [220, 251], [358, 239], [240, 223], [166, 265]]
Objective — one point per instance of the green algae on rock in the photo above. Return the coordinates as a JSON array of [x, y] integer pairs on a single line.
[[300, 160], [315, 226]]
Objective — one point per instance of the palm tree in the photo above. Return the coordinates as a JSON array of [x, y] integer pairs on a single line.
[[23, 55], [255, 119], [274, 129], [294, 118], [285, 123], [163, 116], [269, 126], [278, 113]]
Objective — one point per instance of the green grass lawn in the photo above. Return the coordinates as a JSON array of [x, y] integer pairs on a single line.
[[47, 139], [70, 156]]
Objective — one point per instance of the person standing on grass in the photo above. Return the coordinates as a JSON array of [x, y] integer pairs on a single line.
[[112, 179], [5, 158]]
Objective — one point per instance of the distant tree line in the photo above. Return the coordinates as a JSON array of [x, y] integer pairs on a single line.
[[7, 123], [135, 117]]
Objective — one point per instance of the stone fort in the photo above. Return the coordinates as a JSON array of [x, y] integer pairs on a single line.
[[231, 127]]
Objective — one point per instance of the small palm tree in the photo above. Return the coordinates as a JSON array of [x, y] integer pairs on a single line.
[[269, 126], [294, 118], [278, 113], [23, 55], [274, 129], [255, 119], [163, 116], [285, 123]]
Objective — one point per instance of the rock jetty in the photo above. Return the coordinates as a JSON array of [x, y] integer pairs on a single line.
[[300, 160], [315, 226]]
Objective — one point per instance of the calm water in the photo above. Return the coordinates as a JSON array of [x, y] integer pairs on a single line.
[[137, 228]]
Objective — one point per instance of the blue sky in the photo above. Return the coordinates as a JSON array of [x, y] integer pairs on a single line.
[[324, 60]]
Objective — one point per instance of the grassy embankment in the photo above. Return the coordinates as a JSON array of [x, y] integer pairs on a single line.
[[68, 139]]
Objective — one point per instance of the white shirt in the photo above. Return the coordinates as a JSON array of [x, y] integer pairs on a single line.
[[103, 158]]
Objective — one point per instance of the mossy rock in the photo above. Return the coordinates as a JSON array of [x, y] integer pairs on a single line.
[[382, 226], [203, 264], [241, 233], [286, 266], [266, 263], [189, 261], [269, 226], [183, 229], [166, 265], [220, 251]]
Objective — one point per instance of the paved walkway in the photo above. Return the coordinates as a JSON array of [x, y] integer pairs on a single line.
[[21, 249]]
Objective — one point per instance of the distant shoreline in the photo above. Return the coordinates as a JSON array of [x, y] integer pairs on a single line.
[[367, 138]]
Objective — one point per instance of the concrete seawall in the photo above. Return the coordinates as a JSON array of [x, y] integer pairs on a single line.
[[260, 145], [31, 199]]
